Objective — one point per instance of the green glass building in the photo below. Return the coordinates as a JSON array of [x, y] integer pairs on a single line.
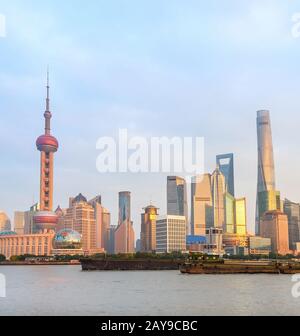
[[268, 201], [235, 215]]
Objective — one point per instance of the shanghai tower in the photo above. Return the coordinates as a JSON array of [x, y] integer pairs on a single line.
[[266, 171]]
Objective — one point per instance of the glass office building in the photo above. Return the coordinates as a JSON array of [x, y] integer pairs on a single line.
[[267, 201], [241, 216], [266, 170], [226, 164], [201, 205], [177, 198], [229, 213], [218, 187], [292, 210], [124, 233], [235, 215]]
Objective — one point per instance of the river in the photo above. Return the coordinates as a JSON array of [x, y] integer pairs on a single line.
[[66, 290]]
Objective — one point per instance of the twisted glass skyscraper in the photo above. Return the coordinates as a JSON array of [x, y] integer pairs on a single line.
[[266, 171]]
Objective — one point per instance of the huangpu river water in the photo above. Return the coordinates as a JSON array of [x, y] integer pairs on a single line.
[[66, 290]]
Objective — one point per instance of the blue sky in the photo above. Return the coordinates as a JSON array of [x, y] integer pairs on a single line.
[[158, 68]]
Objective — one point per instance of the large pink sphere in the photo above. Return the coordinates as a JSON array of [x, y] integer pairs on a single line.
[[47, 143]]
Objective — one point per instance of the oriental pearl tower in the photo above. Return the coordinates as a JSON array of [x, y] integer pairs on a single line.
[[47, 144]]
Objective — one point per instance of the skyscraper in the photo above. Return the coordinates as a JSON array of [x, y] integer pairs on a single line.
[[47, 145], [81, 217], [111, 240], [274, 225], [292, 210], [226, 165], [267, 201], [124, 233], [230, 226], [5, 224], [201, 205], [218, 187], [19, 222], [102, 218], [266, 171], [235, 215], [29, 225], [177, 198], [240, 216], [148, 229]]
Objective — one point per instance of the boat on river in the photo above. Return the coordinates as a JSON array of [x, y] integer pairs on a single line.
[[216, 265]]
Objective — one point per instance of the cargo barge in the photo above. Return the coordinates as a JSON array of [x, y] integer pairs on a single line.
[[239, 267], [90, 264]]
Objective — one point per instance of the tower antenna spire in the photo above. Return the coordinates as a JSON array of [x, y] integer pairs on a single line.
[[48, 91]]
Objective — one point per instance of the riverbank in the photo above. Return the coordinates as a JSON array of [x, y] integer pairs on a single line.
[[50, 263]]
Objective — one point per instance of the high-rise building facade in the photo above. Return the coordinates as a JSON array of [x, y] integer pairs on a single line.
[[274, 225], [266, 170], [218, 187], [177, 197], [235, 215], [102, 218], [80, 217], [267, 201], [5, 224], [148, 229], [241, 216], [124, 233], [19, 222], [292, 210], [171, 234], [47, 144], [226, 165], [111, 239], [29, 225], [230, 223], [202, 215]]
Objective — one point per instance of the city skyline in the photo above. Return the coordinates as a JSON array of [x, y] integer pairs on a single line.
[[228, 166], [106, 101], [265, 184]]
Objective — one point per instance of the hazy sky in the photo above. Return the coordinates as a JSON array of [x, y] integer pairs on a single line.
[[158, 68]]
